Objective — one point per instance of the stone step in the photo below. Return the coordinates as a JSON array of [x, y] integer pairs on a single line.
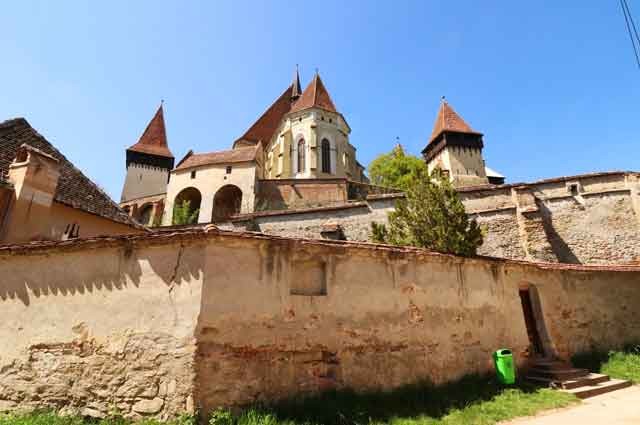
[[558, 374], [551, 365], [590, 379], [594, 390]]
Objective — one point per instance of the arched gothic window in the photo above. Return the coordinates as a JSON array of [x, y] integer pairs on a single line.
[[301, 156], [326, 156]]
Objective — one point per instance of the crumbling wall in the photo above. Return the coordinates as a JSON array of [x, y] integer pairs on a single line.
[[156, 325], [291, 317], [99, 331]]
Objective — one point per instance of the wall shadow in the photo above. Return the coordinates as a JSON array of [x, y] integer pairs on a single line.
[[422, 400], [560, 248], [71, 273]]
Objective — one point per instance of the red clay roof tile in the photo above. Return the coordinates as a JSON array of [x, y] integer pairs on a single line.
[[154, 139], [223, 157], [315, 96], [449, 120], [264, 128]]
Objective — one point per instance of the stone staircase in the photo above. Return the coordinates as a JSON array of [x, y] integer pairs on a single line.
[[579, 382]]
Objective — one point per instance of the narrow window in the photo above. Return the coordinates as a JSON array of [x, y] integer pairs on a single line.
[[193, 174], [326, 156], [301, 156], [228, 169]]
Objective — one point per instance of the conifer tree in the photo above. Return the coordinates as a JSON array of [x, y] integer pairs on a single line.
[[432, 216]]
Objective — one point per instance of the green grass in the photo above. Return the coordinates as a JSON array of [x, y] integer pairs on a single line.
[[51, 418], [474, 400], [623, 364], [471, 401]]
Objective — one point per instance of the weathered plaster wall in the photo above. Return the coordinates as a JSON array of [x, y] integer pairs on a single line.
[[298, 316], [154, 325], [142, 181], [99, 330], [208, 180]]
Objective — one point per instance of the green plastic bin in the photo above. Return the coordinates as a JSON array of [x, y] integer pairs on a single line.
[[505, 368]]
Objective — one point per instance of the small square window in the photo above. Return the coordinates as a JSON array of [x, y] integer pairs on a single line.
[[573, 189], [228, 169], [193, 174]]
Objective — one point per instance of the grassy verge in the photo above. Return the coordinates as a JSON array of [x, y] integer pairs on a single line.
[[473, 400], [623, 364], [50, 418]]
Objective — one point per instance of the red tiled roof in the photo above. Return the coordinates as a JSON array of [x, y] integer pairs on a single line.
[[74, 188], [223, 157], [154, 139], [264, 128], [449, 120], [314, 96]]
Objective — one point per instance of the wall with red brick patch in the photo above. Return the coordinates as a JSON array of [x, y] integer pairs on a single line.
[[296, 193], [170, 322]]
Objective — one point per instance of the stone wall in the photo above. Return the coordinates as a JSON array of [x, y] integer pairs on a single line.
[[100, 329], [156, 325], [543, 221]]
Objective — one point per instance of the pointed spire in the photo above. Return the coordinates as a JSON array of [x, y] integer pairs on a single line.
[[315, 96], [449, 120], [296, 89], [154, 139]]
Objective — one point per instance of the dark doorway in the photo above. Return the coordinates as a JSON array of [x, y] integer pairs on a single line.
[[530, 322], [226, 202]]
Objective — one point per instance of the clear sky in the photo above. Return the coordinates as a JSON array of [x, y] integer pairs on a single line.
[[552, 84]]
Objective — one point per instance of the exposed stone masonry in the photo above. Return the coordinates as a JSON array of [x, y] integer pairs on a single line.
[[542, 221]]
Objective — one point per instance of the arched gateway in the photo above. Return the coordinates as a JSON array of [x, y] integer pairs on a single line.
[[226, 202]]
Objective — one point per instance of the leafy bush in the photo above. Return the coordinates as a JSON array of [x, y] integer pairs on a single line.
[[183, 214]]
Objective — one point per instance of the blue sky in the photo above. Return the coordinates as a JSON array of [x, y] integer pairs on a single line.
[[552, 84]]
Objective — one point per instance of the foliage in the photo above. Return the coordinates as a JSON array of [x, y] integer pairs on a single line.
[[395, 169], [623, 364], [430, 216], [183, 214], [472, 400], [51, 418], [221, 417]]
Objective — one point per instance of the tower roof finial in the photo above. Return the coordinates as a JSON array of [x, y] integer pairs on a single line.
[[296, 89]]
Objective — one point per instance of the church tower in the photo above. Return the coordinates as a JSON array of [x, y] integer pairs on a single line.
[[456, 149], [148, 162]]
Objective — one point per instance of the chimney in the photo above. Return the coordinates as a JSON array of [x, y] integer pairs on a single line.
[[34, 175]]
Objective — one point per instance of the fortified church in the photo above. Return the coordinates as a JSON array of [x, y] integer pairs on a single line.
[[297, 153]]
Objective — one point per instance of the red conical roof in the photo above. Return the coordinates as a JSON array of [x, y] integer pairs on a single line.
[[154, 139], [449, 120], [314, 96]]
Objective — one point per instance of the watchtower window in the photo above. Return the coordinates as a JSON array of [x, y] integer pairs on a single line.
[[193, 174]]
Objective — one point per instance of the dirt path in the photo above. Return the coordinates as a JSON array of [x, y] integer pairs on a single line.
[[620, 407]]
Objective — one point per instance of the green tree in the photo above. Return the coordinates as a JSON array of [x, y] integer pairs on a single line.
[[395, 169], [430, 216], [183, 214]]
